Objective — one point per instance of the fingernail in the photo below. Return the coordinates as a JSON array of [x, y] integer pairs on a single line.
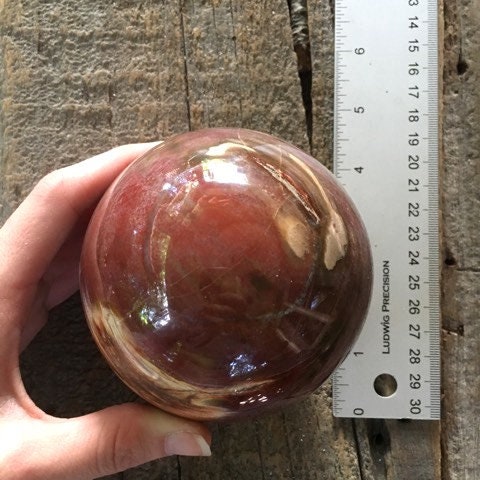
[[189, 444]]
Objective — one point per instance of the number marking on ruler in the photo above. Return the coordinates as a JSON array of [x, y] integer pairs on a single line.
[[386, 155]]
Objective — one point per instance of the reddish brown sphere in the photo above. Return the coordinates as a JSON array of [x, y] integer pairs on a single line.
[[225, 272]]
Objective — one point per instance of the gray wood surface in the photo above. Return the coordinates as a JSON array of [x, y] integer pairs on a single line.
[[79, 77]]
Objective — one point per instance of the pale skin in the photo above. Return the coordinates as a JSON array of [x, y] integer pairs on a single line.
[[39, 255]]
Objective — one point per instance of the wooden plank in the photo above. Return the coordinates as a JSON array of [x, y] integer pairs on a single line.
[[461, 438], [461, 215], [461, 212], [229, 81], [79, 81], [78, 78]]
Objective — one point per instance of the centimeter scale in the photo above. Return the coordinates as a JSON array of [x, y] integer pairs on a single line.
[[386, 156]]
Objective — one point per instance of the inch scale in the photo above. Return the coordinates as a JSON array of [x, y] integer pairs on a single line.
[[386, 156]]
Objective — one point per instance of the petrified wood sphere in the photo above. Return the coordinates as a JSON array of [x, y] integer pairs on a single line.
[[225, 272]]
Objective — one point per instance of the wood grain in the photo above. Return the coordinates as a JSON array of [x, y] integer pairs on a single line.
[[79, 77]]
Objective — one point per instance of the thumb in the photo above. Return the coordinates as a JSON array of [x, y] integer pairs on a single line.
[[113, 440]]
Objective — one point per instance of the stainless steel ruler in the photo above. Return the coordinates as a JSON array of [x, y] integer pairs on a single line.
[[386, 156]]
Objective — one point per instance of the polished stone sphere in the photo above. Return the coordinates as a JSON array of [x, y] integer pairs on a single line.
[[225, 272]]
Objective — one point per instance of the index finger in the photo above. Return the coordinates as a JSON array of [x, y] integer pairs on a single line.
[[32, 236]]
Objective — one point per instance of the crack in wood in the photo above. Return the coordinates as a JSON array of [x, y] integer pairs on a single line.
[[379, 437], [179, 468], [332, 11], [259, 446], [185, 65], [358, 450], [298, 10], [287, 439], [239, 84]]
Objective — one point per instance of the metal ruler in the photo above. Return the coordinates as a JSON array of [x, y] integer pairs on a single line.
[[386, 156]]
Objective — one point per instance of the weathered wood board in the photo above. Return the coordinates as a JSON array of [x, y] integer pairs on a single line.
[[79, 77]]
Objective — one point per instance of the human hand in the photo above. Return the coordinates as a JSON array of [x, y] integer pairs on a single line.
[[40, 248]]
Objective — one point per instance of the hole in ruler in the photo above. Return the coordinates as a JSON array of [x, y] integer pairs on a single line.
[[385, 385]]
